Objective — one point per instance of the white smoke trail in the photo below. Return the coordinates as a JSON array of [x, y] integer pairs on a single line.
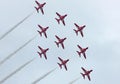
[[74, 80], [45, 75], [12, 54], [14, 27], [17, 70]]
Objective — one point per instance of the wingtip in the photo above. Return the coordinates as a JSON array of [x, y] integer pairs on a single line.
[[47, 27], [38, 46], [84, 25], [58, 57], [66, 15], [45, 58], [44, 2], [38, 31], [82, 68], [47, 48]]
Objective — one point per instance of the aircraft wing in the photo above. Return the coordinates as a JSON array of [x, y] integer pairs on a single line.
[[84, 55], [60, 59], [42, 10], [45, 56], [44, 3], [65, 67], [57, 37], [47, 28], [63, 22], [79, 47], [40, 48], [81, 33], [76, 25], [62, 45], [83, 69], [37, 3], [45, 34], [40, 27], [88, 77], [58, 14]]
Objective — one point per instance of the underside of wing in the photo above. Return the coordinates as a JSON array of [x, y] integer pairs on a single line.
[[40, 27], [62, 45], [83, 69], [81, 33], [79, 47], [63, 22], [60, 59], [40, 48], [65, 67], [45, 34], [42, 10], [88, 77], [58, 14], [45, 56], [37, 3], [84, 55], [76, 25], [57, 37]]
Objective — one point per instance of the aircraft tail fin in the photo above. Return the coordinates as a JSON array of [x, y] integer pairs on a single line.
[[83, 75], [37, 9], [76, 31], [40, 33], [40, 54], [60, 65], [58, 20], [79, 53], [57, 44]]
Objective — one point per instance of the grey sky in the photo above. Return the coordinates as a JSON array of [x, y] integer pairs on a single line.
[[101, 18]]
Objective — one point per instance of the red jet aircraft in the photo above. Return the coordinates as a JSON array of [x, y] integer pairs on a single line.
[[61, 18], [43, 30], [86, 73], [60, 41], [82, 50], [43, 51], [63, 62], [79, 29], [40, 6]]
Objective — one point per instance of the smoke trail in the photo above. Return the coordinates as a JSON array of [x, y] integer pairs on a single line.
[[74, 80], [15, 26], [17, 70], [45, 75], [9, 56]]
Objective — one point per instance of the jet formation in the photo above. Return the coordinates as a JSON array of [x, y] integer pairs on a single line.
[[60, 41], [86, 73]]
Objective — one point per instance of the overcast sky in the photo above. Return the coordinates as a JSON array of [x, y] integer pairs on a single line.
[[101, 35]]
